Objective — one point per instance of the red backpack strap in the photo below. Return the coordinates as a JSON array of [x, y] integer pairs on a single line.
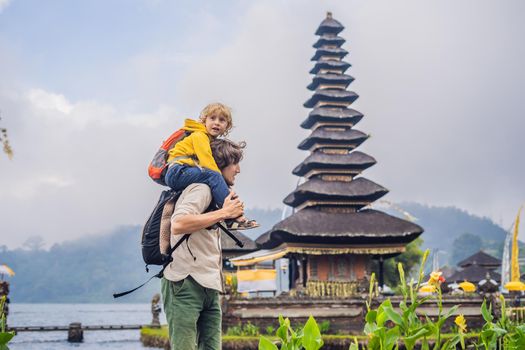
[[173, 139]]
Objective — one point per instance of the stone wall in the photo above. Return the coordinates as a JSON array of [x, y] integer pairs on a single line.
[[345, 315]]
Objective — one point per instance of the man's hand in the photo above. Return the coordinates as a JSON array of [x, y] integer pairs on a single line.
[[232, 207]]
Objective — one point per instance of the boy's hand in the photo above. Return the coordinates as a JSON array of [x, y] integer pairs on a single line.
[[232, 207]]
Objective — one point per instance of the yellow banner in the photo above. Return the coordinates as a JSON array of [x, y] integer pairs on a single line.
[[256, 275]]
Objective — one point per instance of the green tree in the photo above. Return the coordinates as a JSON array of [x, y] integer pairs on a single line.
[[464, 246], [410, 258]]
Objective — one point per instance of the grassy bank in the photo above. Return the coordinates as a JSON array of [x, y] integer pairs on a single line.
[[158, 337]]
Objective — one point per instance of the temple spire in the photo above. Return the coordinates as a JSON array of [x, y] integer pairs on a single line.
[[332, 234]]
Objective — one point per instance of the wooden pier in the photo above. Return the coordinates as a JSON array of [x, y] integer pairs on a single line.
[[75, 330], [85, 328]]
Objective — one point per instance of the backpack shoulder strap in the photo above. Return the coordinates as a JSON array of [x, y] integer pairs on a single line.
[[160, 273]]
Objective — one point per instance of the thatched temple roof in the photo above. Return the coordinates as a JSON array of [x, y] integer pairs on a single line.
[[482, 259], [329, 39], [229, 248], [332, 115], [329, 26], [473, 273], [357, 161], [330, 64], [334, 52], [341, 96], [366, 226], [321, 135], [359, 190], [330, 78]]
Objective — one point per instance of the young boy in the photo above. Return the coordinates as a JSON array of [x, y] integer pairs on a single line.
[[191, 160]]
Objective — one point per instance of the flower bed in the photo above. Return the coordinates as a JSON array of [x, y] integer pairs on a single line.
[[388, 327], [158, 338]]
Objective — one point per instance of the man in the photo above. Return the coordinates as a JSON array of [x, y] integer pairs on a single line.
[[193, 280]]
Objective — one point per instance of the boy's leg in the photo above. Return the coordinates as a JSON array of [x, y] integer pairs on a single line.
[[182, 305], [218, 186], [210, 322], [181, 176]]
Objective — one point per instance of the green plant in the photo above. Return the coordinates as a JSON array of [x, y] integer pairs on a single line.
[[406, 326], [505, 332], [247, 329], [324, 326], [234, 330], [250, 330], [270, 330], [308, 338], [5, 337]]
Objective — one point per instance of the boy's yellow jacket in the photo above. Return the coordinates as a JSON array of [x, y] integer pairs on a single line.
[[194, 146]]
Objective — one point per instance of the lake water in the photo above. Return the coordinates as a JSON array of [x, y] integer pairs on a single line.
[[87, 314]]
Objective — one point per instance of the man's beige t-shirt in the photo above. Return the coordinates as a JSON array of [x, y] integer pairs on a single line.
[[200, 256]]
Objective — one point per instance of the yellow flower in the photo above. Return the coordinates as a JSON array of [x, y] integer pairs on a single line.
[[428, 288], [229, 279], [436, 278], [461, 323]]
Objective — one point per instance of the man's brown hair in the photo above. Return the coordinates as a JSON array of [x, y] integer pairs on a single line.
[[226, 152]]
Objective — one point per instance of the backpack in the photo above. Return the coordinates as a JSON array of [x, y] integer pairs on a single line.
[[155, 242], [159, 165]]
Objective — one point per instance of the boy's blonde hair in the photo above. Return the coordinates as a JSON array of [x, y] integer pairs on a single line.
[[220, 110]]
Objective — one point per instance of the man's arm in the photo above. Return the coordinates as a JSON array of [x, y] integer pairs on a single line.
[[189, 223]]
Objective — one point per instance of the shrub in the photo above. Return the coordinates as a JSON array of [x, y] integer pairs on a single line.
[[324, 326], [504, 333], [308, 338], [270, 330], [247, 329], [408, 328]]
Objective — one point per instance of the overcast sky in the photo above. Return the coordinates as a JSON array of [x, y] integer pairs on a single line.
[[89, 89]]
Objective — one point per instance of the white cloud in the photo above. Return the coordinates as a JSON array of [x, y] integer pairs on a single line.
[[80, 166], [55, 106], [27, 190], [4, 4], [49, 101]]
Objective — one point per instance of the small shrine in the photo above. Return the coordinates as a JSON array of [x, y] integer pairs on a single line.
[[476, 268], [481, 259], [333, 236]]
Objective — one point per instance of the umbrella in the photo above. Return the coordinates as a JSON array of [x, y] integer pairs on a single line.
[[467, 287], [6, 270], [515, 286]]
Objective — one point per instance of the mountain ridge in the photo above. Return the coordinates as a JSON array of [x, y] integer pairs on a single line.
[[92, 268]]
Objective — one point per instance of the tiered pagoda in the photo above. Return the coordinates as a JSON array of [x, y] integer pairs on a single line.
[[476, 268], [333, 236]]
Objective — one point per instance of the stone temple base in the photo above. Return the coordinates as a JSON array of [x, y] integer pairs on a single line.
[[346, 316]]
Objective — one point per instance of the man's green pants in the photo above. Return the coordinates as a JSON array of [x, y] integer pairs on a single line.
[[193, 313]]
